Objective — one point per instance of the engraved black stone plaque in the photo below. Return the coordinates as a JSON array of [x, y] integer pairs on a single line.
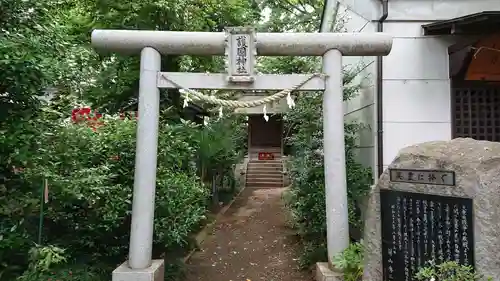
[[417, 228]]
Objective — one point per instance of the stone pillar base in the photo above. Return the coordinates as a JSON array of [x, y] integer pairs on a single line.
[[153, 273], [324, 273]]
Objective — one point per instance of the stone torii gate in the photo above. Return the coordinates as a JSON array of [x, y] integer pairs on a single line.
[[240, 46]]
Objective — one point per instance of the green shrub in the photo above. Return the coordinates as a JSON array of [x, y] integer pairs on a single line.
[[307, 194], [350, 261], [49, 263], [90, 179], [312, 251], [222, 143], [449, 271]]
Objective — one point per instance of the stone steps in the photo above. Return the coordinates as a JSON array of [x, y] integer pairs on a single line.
[[265, 185], [265, 163], [264, 166], [264, 178], [264, 174]]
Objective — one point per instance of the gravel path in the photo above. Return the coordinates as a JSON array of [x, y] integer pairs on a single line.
[[250, 242]]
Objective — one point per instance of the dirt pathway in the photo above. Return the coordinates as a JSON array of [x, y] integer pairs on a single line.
[[250, 242]]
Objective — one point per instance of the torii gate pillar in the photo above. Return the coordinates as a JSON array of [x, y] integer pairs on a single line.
[[151, 44]]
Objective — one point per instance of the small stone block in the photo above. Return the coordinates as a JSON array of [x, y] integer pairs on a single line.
[[324, 273], [153, 273]]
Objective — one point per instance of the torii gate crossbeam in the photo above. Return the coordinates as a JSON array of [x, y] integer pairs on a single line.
[[151, 44], [268, 44]]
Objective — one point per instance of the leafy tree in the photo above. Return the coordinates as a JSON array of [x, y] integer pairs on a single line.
[[33, 52], [116, 86], [292, 15], [44, 48]]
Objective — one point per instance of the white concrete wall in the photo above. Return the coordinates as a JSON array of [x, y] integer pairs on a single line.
[[362, 107], [421, 10], [416, 88], [416, 85], [433, 10]]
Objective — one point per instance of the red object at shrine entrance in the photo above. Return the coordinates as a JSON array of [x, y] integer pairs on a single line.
[[266, 156]]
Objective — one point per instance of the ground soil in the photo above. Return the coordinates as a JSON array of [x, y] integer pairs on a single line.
[[250, 242]]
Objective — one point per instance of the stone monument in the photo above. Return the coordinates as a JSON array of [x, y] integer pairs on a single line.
[[437, 201]]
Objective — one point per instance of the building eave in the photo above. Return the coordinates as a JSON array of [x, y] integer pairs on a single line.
[[478, 23]]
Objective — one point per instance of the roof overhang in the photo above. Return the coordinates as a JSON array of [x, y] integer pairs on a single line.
[[479, 23]]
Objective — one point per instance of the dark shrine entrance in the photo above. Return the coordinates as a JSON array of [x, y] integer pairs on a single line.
[[475, 88], [265, 136]]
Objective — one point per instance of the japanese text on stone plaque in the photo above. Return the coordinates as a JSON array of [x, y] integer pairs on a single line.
[[241, 54], [418, 228], [423, 176]]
